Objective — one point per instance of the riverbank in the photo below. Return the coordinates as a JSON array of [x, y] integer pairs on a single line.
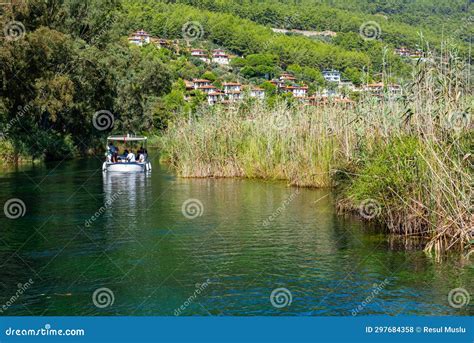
[[405, 162]]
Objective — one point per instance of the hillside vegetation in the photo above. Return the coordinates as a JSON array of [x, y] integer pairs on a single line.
[[401, 21]]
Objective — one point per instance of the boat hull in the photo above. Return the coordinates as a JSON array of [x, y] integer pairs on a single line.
[[126, 167]]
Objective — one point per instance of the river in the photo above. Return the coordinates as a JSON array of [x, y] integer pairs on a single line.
[[156, 244]]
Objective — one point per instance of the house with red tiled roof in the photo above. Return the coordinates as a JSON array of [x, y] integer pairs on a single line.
[[297, 91], [257, 92], [287, 77], [189, 85], [139, 38], [232, 90], [374, 88], [208, 89], [201, 54], [198, 83], [220, 57], [214, 97]]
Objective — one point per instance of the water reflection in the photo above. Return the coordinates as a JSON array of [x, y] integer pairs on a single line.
[[124, 191], [142, 247]]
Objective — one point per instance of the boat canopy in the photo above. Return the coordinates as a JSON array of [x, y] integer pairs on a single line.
[[126, 138]]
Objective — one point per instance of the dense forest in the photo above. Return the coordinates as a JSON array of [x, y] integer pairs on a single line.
[[401, 21], [63, 61]]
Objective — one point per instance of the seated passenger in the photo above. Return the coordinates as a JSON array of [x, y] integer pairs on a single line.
[[123, 157], [130, 157]]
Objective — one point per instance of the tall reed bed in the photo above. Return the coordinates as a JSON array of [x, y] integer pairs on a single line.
[[405, 161]]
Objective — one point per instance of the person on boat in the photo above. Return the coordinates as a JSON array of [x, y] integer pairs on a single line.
[[112, 155], [141, 155], [130, 156]]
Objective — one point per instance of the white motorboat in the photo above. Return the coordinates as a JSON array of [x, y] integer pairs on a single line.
[[124, 163]]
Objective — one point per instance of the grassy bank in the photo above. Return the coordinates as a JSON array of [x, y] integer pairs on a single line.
[[405, 162]]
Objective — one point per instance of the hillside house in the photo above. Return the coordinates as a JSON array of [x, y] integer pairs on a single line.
[[332, 75], [220, 57], [279, 84], [297, 91], [257, 92], [317, 100], [198, 83], [232, 87], [200, 54], [214, 97], [189, 85], [233, 90], [139, 38], [375, 88], [287, 77], [208, 89]]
